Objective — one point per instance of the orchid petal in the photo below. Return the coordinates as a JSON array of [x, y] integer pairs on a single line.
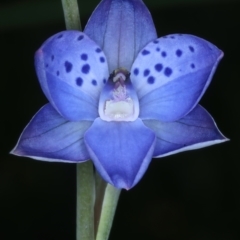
[[121, 151], [49, 137], [121, 29], [171, 74], [72, 70], [196, 130]]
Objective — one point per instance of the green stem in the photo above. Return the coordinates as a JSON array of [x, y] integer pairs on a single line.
[[85, 177], [100, 187], [85, 201], [71, 14], [109, 205], [106, 195]]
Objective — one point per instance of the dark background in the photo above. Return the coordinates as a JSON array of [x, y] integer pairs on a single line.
[[192, 196]]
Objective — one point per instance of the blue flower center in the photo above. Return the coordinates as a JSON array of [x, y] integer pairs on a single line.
[[118, 101]]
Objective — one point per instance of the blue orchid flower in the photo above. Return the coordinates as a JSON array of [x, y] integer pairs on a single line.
[[120, 96]]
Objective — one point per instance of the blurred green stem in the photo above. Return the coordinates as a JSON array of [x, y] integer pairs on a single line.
[[106, 195], [85, 178], [85, 201], [71, 14], [108, 208]]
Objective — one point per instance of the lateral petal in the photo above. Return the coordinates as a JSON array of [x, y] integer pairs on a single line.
[[72, 70], [171, 74]]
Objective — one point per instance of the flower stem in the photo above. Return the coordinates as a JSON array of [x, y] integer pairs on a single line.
[[71, 14], [109, 205], [85, 201], [100, 187], [107, 195], [85, 178]]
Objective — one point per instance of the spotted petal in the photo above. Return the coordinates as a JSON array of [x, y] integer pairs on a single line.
[[50, 137], [72, 70], [171, 74], [196, 130], [121, 29], [121, 151]]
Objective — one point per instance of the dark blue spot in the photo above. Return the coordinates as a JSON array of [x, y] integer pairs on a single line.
[[68, 66], [145, 52], [191, 48], [86, 68], [57, 73], [52, 57], [136, 71], [98, 50], [151, 80], [192, 65], [46, 65], [164, 54], [146, 72], [104, 80], [79, 81], [179, 53], [80, 37], [167, 71], [60, 36], [157, 49], [102, 59], [84, 56], [94, 82], [172, 37], [159, 67], [155, 41]]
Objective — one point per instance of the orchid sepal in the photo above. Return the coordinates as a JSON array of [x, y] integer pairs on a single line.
[[194, 131], [121, 29], [49, 137]]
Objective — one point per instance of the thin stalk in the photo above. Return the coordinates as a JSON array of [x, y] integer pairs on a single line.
[[85, 201], [100, 187], [109, 205], [71, 14], [85, 178], [106, 195]]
